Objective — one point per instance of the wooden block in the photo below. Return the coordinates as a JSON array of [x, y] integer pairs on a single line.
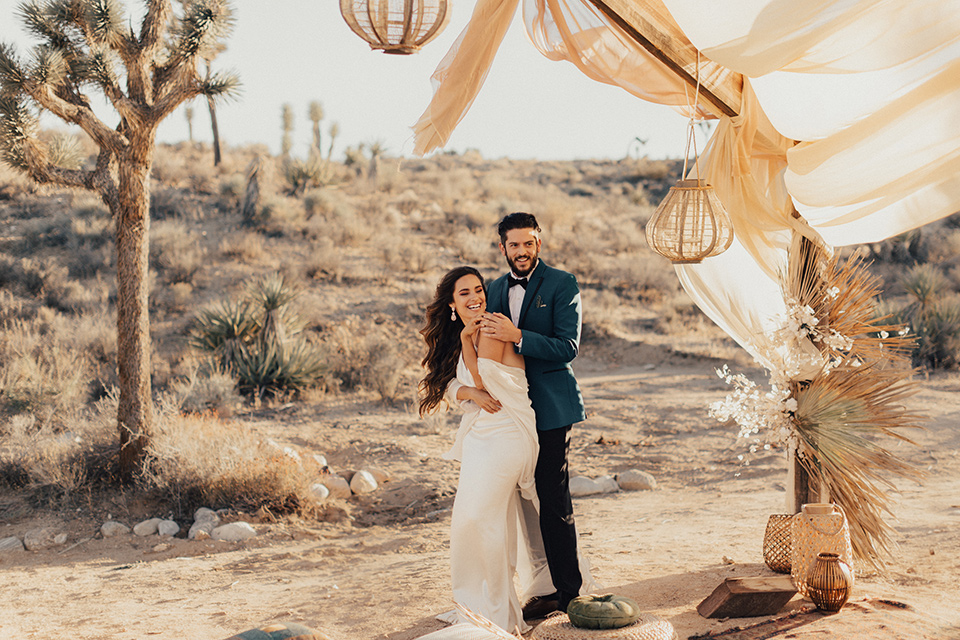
[[748, 597]]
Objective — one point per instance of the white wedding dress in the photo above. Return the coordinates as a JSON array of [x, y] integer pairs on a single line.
[[498, 455], [495, 527]]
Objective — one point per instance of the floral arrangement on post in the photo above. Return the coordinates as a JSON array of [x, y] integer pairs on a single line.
[[844, 376]]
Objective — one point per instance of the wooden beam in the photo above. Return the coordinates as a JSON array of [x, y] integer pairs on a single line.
[[720, 88]]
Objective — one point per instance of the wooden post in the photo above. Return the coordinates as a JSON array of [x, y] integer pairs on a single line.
[[720, 88], [722, 91]]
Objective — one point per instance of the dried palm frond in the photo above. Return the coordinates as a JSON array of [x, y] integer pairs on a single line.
[[856, 397], [839, 417], [843, 297]]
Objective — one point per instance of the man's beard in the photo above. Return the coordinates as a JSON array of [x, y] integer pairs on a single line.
[[530, 266]]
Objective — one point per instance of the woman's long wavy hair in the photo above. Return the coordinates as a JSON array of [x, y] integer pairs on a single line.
[[442, 336]]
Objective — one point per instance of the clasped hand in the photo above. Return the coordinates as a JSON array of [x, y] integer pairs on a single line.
[[499, 326]]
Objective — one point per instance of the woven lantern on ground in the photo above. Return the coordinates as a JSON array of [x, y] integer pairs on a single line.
[[396, 26]]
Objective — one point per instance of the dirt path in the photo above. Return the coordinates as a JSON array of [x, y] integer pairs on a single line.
[[386, 579]]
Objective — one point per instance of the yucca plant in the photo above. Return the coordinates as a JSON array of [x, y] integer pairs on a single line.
[[225, 329], [934, 319], [258, 340], [315, 113], [145, 75], [301, 175], [273, 295], [286, 123]]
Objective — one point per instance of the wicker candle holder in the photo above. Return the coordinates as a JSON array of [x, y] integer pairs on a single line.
[[776, 542], [829, 582]]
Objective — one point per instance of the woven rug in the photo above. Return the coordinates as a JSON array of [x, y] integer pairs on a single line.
[[868, 619], [647, 627]]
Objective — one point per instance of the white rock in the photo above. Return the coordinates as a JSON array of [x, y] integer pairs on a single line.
[[338, 487], [11, 544], [112, 528], [147, 527], [380, 475], [36, 539], [291, 453], [363, 482], [607, 484], [233, 532], [319, 491], [200, 529], [204, 515], [168, 528], [60, 538], [584, 486], [636, 480], [320, 459]]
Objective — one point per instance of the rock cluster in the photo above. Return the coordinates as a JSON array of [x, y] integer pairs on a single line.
[[206, 522], [632, 480]]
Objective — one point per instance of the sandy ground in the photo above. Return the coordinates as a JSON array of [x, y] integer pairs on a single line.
[[382, 572]]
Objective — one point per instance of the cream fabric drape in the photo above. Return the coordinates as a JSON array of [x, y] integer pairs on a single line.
[[850, 115]]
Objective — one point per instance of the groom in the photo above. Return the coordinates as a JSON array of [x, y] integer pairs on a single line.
[[537, 308]]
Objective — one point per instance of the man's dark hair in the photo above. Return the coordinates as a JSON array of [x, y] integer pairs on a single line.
[[518, 220]]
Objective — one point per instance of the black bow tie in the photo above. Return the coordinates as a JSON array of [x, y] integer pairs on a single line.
[[517, 281]]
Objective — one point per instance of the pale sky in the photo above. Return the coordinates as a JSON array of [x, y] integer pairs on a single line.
[[298, 50]]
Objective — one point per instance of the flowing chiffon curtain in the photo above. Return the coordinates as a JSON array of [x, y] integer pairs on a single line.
[[850, 115]]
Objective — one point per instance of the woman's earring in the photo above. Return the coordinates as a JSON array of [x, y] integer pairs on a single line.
[[453, 315]]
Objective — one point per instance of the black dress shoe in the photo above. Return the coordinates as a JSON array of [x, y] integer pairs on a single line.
[[541, 606]]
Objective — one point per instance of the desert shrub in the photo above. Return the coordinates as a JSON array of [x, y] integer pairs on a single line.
[[14, 184], [280, 217], [41, 372], [72, 296], [932, 315], [600, 309], [938, 335], [244, 245], [325, 261], [942, 245], [175, 250], [418, 257], [51, 465], [300, 175], [207, 389], [232, 189], [257, 340], [198, 460], [476, 247], [364, 355], [679, 314], [338, 220], [174, 298], [166, 202]]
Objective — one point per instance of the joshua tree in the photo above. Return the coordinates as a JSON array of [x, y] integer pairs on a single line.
[[286, 122], [333, 132], [315, 113], [188, 114], [145, 76], [376, 150]]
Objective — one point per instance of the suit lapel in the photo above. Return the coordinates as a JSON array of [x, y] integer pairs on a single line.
[[504, 295], [536, 279]]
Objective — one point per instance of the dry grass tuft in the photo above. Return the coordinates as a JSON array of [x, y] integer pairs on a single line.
[[200, 460]]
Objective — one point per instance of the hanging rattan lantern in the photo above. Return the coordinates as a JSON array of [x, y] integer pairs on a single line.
[[396, 26], [690, 224]]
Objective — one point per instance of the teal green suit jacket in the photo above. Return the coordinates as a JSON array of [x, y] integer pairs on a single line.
[[550, 320]]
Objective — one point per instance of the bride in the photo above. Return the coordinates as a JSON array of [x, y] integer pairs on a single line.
[[496, 445]]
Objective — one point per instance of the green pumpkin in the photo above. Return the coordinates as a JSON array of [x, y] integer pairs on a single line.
[[602, 612]]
